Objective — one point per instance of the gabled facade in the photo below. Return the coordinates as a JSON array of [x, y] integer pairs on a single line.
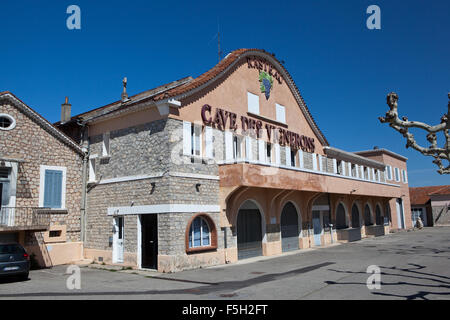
[[40, 185], [219, 168], [431, 204]]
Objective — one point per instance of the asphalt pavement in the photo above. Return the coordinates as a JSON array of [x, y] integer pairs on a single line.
[[411, 265]]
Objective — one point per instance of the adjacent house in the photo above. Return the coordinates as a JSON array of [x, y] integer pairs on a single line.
[[41, 185], [431, 204]]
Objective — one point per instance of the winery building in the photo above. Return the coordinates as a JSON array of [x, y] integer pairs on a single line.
[[229, 165]]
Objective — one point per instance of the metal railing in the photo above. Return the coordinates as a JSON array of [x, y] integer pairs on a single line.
[[24, 217]]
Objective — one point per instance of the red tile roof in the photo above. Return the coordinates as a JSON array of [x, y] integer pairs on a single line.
[[421, 195]]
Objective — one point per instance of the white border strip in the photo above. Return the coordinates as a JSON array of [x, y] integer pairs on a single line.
[[163, 208], [193, 175], [159, 175]]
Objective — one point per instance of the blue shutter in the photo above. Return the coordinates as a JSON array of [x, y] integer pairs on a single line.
[[53, 189]]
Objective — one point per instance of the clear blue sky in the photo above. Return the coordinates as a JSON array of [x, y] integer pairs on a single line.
[[343, 70]]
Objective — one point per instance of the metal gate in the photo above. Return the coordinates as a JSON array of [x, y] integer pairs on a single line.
[[289, 228], [249, 234]]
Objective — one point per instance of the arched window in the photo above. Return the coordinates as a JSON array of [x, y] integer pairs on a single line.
[[199, 234]]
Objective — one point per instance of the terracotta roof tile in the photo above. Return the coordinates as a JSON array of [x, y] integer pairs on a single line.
[[421, 195]]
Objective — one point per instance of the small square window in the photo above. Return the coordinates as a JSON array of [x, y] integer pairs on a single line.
[[253, 103], [54, 233], [281, 113]]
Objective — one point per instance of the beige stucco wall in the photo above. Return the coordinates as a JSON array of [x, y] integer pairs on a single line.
[[230, 94]]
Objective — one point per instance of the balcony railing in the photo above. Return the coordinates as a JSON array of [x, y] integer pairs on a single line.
[[24, 218]]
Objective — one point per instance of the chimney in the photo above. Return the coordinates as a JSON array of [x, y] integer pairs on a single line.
[[65, 111]]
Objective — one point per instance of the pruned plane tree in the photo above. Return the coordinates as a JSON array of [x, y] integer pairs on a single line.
[[404, 125]]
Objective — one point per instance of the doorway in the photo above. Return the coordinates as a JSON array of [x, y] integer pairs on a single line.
[[118, 237], [149, 241], [289, 228], [249, 233], [400, 215], [317, 226]]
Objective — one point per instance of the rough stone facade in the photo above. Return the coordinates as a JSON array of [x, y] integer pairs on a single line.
[[35, 145], [154, 149]]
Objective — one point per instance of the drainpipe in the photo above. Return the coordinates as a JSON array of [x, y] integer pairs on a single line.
[[84, 185]]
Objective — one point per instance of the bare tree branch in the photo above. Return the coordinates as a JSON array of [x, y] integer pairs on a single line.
[[403, 125]]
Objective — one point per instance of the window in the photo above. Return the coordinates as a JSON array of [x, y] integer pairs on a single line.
[[199, 234], [237, 147], [353, 170], [7, 122], [92, 171], [389, 172], [54, 233], [269, 152], [405, 178], [52, 188], [339, 167], [4, 173], [105, 145], [196, 140], [280, 113], [397, 174], [376, 175], [253, 103], [293, 157]]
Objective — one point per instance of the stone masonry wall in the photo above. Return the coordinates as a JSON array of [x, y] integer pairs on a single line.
[[151, 149], [37, 146]]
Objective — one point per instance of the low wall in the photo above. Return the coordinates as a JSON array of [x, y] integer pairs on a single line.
[[48, 255], [174, 263], [105, 256], [348, 235], [375, 231]]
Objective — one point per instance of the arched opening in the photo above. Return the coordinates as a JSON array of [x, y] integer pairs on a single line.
[[355, 217], [249, 233], [289, 228], [320, 218], [378, 217], [341, 221], [367, 216], [201, 234], [387, 216]]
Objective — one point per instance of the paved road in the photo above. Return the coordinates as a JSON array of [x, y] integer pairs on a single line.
[[414, 265]]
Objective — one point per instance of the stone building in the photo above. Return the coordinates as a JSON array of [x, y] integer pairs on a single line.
[[431, 204], [223, 167], [40, 185]]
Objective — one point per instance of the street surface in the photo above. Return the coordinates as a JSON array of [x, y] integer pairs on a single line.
[[413, 265]]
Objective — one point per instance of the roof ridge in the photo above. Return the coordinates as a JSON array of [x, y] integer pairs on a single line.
[[34, 114]]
